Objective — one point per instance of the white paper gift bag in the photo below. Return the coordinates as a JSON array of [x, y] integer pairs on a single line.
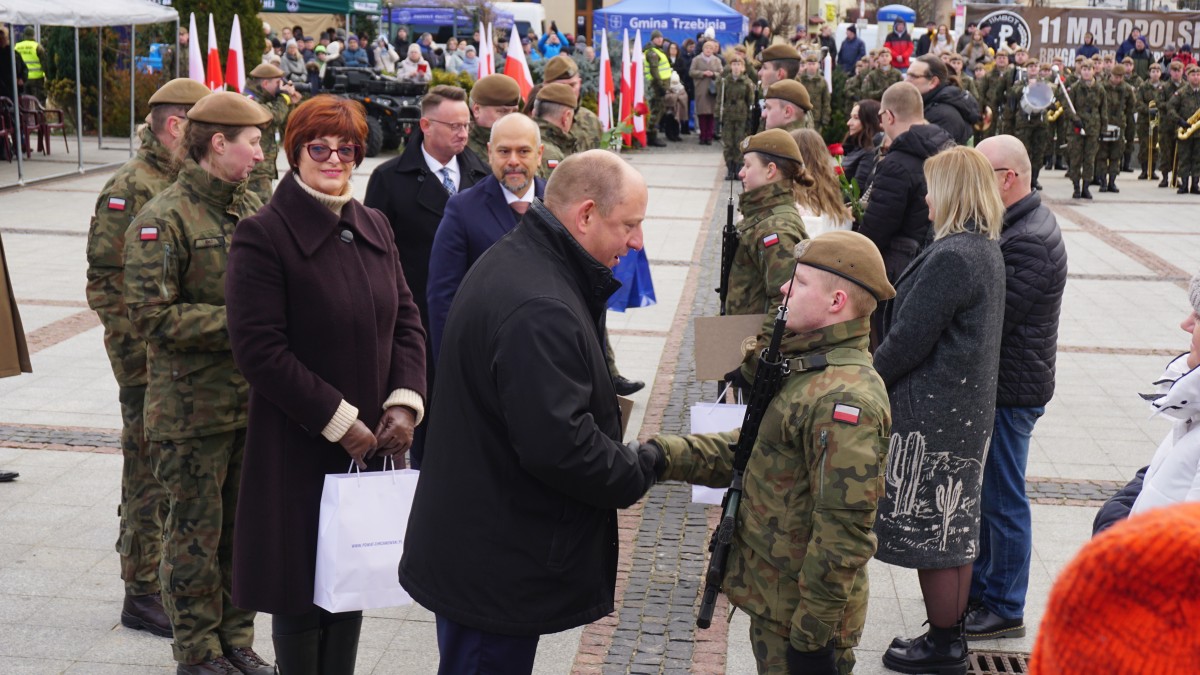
[[710, 418], [361, 536]]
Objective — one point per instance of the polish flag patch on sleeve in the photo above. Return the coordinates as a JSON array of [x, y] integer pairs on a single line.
[[770, 240], [846, 413], [552, 164], [116, 204], [148, 234]]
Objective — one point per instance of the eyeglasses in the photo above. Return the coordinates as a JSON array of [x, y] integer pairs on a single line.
[[456, 127], [319, 152], [1004, 168]]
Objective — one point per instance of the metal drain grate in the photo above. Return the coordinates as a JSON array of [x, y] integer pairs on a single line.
[[998, 663]]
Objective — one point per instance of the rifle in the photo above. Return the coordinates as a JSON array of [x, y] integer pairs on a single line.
[[729, 244], [767, 381]]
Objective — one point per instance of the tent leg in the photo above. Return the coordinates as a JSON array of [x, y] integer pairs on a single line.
[[17, 110], [132, 83], [78, 104]]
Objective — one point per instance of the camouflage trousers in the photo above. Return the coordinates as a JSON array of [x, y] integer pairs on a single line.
[[732, 133], [770, 650], [1108, 158], [1145, 140], [143, 501], [1164, 154], [1188, 165], [202, 476], [657, 104], [1036, 139], [1081, 155]]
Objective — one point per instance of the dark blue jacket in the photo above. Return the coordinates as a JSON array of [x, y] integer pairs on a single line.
[[852, 50], [474, 219], [1087, 51]]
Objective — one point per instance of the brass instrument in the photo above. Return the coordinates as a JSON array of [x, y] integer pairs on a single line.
[[986, 122], [1193, 127], [1056, 113]]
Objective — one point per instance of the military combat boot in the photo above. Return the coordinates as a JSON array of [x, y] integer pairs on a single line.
[[1112, 182], [1153, 174], [1166, 181], [941, 650], [1102, 183], [1085, 192], [1143, 175], [1075, 184], [1195, 185], [1183, 185], [653, 141], [1036, 185]]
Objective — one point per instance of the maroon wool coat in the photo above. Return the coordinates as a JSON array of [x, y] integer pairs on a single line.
[[312, 320]]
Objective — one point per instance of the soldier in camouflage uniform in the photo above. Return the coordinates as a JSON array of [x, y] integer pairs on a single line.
[[143, 500], [492, 97], [1184, 104], [1167, 139], [777, 64], [798, 563], [818, 93], [883, 76], [658, 71], [174, 287], [786, 106], [1090, 106], [554, 112], [852, 89], [737, 98], [586, 128], [1031, 128], [1120, 103], [772, 171], [1147, 107], [996, 90], [267, 88]]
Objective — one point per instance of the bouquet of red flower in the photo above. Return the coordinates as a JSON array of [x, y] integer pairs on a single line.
[[850, 192]]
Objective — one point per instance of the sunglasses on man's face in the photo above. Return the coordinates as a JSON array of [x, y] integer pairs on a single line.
[[319, 152]]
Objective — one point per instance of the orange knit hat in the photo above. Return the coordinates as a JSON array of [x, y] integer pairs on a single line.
[[1129, 603]]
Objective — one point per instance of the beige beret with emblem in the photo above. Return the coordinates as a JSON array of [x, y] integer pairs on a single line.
[[779, 52], [180, 91], [497, 89], [558, 93], [850, 256], [265, 71], [229, 108], [791, 91], [773, 142], [561, 67]]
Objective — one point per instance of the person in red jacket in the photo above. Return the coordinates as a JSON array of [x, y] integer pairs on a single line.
[[900, 44]]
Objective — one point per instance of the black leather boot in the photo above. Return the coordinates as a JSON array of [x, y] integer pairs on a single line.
[[1183, 185], [339, 646], [1103, 184], [1143, 175], [1195, 185], [731, 172], [1058, 163], [1085, 192], [1075, 184], [1036, 171], [1153, 175], [1166, 181], [942, 651], [653, 141], [1112, 182], [299, 653]]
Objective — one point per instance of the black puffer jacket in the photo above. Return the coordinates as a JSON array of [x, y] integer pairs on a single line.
[[952, 109], [1035, 262], [897, 218]]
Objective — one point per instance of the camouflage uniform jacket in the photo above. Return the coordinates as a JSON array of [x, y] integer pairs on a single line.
[[818, 94], [1120, 104], [737, 99], [279, 109], [1184, 103], [175, 256], [812, 484], [477, 141], [128, 190], [557, 144], [998, 92], [1089, 100], [585, 130], [1148, 92], [852, 91], [877, 81], [767, 234]]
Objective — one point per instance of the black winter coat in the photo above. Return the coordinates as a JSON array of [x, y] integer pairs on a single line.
[[897, 218], [952, 109], [1035, 262], [514, 526]]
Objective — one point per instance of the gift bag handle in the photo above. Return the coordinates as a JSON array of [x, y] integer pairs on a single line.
[[386, 460]]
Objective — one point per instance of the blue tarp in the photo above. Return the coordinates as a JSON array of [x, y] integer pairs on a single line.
[[678, 20]]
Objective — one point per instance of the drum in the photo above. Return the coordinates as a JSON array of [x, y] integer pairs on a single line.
[[1037, 97], [1111, 134]]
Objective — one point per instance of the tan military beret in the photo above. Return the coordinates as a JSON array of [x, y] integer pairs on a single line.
[[791, 91], [561, 67], [1079, 57], [1004, 51], [558, 93], [779, 52], [811, 57], [1156, 66], [773, 142], [264, 71], [180, 91], [1128, 60], [1176, 65], [1118, 70], [850, 256], [1193, 68], [229, 108], [497, 89]]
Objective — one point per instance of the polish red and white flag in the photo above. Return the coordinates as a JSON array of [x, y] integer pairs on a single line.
[[214, 80], [607, 89], [515, 65], [195, 61], [235, 69]]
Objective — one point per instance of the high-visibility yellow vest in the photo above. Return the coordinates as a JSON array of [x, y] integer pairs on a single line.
[[28, 50], [664, 65]]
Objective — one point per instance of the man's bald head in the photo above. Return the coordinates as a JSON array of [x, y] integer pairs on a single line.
[[601, 200], [515, 152], [1009, 153], [517, 124]]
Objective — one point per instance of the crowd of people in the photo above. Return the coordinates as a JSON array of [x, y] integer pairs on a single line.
[[923, 281]]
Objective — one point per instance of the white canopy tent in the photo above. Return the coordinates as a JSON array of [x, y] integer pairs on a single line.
[[83, 14]]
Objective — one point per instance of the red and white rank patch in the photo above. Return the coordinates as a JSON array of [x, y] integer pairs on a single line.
[[116, 204], [770, 240], [148, 234], [846, 413]]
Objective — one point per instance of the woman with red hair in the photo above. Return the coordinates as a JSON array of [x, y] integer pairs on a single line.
[[324, 328]]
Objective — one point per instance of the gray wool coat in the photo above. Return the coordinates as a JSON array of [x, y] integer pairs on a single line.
[[939, 358]]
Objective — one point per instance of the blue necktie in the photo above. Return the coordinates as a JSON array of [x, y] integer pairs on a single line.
[[446, 182]]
